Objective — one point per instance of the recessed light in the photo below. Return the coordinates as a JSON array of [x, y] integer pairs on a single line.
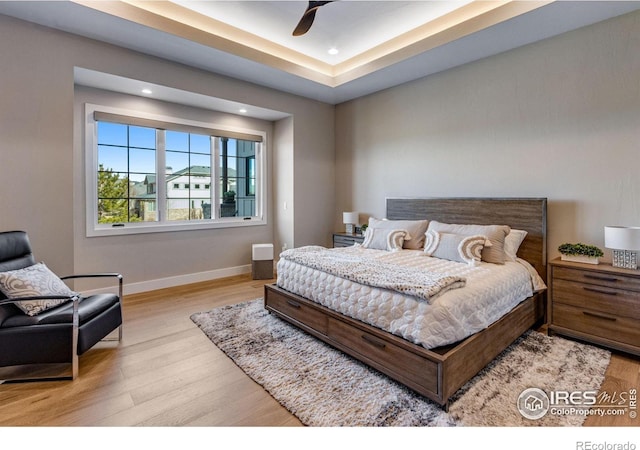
[[333, 51], [147, 91], [242, 110]]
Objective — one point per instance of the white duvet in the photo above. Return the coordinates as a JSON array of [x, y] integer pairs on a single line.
[[491, 291]]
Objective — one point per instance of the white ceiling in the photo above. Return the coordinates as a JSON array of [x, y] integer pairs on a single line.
[[381, 43], [350, 26]]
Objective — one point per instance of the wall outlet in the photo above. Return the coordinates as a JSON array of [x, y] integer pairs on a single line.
[[284, 246]]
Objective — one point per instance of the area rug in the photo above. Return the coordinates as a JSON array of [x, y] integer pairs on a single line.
[[322, 386]]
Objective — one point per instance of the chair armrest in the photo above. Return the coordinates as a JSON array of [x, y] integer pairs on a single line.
[[93, 275], [6, 301], [100, 275]]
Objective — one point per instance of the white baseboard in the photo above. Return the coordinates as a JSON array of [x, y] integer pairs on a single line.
[[178, 280]]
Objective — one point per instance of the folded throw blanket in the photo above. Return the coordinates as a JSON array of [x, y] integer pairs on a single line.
[[406, 280]]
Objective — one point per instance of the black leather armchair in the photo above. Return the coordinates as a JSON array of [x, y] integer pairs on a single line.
[[57, 335]]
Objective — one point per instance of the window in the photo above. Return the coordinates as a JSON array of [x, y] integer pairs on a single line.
[[148, 174], [126, 163]]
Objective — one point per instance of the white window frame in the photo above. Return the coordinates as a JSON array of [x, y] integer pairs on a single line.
[[94, 229]]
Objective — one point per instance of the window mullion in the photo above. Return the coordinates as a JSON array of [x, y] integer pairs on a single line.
[[161, 176], [260, 185], [215, 178]]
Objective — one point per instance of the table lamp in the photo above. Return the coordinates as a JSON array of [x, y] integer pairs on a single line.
[[350, 219], [625, 243]]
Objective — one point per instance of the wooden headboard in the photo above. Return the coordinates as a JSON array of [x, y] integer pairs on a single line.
[[528, 214]]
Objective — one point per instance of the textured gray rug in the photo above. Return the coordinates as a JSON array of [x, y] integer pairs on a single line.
[[324, 387]]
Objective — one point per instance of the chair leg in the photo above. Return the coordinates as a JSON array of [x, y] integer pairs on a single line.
[[114, 339], [31, 379], [74, 337], [74, 366]]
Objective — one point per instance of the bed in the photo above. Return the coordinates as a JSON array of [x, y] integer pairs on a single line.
[[437, 370]]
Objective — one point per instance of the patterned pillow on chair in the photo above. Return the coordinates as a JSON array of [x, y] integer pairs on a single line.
[[36, 280]]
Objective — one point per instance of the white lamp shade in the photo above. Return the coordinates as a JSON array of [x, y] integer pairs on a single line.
[[350, 217], [622, 238]]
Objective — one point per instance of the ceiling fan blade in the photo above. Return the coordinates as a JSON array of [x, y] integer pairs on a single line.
[[308, 17], [305, 23]]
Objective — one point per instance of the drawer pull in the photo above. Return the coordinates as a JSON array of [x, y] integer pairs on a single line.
[[599, 316], [601, 278], [373, 341], [294, 304], [599, 291]]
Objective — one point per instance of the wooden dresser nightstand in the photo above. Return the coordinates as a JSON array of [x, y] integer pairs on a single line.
[[595, 303], [346, 239]]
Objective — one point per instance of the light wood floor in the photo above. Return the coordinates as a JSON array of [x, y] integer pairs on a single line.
[[166, 372]]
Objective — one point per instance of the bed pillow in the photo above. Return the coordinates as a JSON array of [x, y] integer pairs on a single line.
[[414, 228], [496, 234], [382, 239], [35, 280], [454, 247], [512, 243]]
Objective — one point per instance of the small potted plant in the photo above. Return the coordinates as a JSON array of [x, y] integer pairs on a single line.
[[579, 252], [229, 197]]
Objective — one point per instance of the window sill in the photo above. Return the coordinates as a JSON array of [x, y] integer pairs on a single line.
[[143, 228]]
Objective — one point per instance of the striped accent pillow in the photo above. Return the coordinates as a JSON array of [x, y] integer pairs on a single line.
[[455, 247], [496, 234], [382, 239]]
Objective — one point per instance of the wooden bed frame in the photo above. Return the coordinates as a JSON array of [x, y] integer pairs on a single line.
[[436, 373]]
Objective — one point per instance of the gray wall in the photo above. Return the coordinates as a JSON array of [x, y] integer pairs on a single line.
[[43, 178], [557, 119]]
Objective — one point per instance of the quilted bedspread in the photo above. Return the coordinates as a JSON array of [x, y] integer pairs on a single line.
[[490, 291], [406, 280]]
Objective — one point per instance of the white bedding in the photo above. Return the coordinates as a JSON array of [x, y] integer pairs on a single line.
[[491, 291], [361, 269]]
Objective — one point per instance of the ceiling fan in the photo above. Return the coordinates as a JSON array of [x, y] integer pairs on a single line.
[[307, 18]]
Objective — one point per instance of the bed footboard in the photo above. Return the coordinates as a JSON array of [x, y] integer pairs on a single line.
[[436, 374]]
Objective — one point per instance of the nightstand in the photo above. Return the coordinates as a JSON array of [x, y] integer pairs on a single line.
[[595, 303], [346, 239]]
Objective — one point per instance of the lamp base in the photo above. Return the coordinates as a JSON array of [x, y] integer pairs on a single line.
[[349, 228], [625, 258]]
